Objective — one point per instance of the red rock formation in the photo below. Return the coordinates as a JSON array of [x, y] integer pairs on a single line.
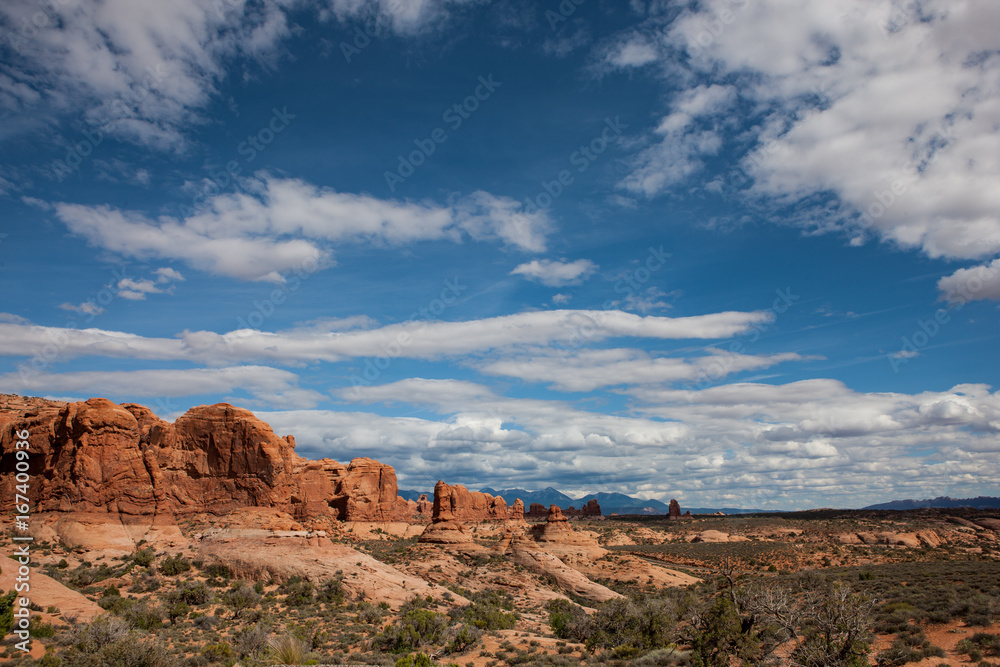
[[591, 509], [516, 511], [675, 509], [459, 504], [424, 506], [536, 511], [558, 536], [97, 456]]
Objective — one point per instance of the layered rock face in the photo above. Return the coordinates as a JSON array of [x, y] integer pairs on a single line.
[[97, 456], [457, 503]]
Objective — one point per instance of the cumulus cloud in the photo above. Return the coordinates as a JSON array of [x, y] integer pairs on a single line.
[[556, 272], [167, 274], [283, 224], [978, 282], [814, 441], [889, 106], [136, 290]]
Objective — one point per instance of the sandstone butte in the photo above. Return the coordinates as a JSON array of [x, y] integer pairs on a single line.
[[98, 456], [455, 505]]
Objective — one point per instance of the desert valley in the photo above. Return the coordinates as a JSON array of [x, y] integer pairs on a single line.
[[209, 541]]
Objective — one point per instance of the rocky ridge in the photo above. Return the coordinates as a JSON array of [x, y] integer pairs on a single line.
[[98, 456]]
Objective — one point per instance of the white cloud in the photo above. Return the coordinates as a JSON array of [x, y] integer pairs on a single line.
[[978, 282], [246, 235], [139, 70], [587, 370], [403, 16], [87, 308], [556, 273], [635, 51], [561, 299], [268, 386], [136, 290], [413, 339], [889, 106], [681, 140], [166, 274], [806, 443]]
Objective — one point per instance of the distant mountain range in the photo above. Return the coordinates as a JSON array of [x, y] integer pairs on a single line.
[[611, 503], [981, 502], [619, 503]]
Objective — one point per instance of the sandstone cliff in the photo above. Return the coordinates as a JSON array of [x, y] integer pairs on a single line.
[[97, 456]]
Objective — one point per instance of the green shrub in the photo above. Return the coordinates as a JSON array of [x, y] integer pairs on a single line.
[[218, 652], [39, 628], [171, 566], [490, 610], [144, 557], [7, 610], [241, 596], [568, 621], [417, 628], [418, 660], [192, 593]]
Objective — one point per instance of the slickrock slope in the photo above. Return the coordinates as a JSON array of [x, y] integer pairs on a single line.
[[48, 592], [317, 559], [97, 456]]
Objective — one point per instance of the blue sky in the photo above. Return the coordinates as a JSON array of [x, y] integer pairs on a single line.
[[734, 253]]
